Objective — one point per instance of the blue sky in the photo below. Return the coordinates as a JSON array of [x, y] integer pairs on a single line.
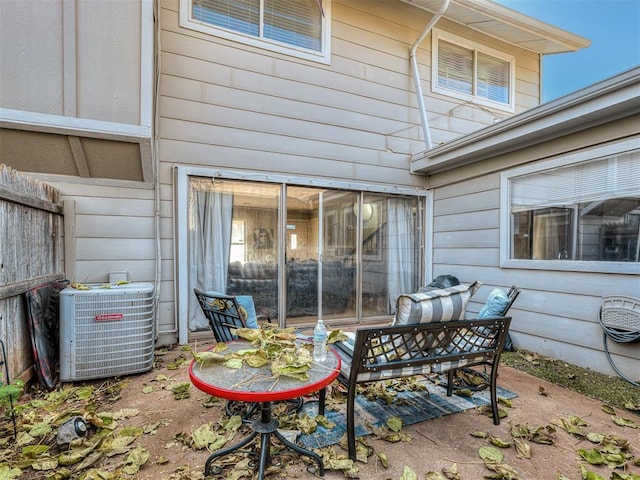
[[613, 26]]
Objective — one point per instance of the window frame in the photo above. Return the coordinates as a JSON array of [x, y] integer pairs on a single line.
[[323, 56], [475, 48], [586, 154]]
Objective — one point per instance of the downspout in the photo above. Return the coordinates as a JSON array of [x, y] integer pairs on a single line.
[[156, 172], [416, 73]]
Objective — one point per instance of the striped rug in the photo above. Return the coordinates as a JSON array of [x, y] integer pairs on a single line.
[[412, 407]]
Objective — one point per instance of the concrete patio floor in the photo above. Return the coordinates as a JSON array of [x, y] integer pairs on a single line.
[[435, 444]]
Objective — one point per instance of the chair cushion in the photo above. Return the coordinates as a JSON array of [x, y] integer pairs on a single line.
[[344, 350], [495, 306], [246, 302], [440, 305], [247, 308], [441, 281]]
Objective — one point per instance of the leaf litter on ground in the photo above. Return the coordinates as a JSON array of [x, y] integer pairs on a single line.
[[44, 414]]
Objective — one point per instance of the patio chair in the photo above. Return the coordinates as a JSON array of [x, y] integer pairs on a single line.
[[620, 320], [497, 305], [224, 314]]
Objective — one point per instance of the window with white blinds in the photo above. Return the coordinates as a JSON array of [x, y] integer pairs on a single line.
[[293, 22], [472, 72], [296, 27], [455, 67], [613, 177], [238, 15], [587, 211], [493, 78]]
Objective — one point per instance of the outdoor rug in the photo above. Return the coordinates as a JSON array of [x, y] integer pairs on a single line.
[[411, 406]]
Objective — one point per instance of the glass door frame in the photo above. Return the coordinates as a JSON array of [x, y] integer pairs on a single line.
[[181, 174]]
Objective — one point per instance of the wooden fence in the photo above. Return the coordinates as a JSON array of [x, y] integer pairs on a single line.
[[31, 252]]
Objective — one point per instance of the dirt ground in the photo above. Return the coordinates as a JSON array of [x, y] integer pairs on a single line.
[[435, 445]]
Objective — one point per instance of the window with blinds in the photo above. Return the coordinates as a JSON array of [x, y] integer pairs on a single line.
[[588, 211], [296, 27], [238, 15], [471, 72], [455, 68]]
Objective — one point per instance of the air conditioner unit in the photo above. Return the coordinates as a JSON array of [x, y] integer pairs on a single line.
[[106, 332]]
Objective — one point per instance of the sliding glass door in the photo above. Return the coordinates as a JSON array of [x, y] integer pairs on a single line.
[[303, 252]]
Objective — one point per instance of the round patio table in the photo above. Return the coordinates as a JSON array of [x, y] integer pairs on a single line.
[[257, 385]]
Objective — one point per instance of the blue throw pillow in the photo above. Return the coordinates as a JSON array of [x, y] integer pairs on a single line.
[[244, 302], [495, 306]]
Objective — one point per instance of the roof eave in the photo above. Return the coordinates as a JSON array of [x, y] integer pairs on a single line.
[[508, 25], [613, 98]]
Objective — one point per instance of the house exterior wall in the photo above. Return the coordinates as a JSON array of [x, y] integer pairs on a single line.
[[78, 44], [224, 105], [358, 114], [557, 313], [231, 106], [76, 93]]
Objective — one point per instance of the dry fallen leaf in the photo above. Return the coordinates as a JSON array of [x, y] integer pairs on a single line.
[[451, 473], [383, 459], [523, 450]]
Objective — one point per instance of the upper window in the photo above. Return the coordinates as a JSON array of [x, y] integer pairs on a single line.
[[294, 27], [580, 212], [472, 72]]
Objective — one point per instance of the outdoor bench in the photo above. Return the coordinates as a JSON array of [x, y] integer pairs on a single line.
[[424, 347]]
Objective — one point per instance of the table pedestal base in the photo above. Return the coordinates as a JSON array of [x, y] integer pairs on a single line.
[[249, 411], [265, 427]]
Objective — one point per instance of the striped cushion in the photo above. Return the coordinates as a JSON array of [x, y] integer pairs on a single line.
[[394, 373], [462, 362], [345, 351], [440, 305]]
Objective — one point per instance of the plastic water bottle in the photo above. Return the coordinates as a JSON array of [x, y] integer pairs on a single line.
[[320, 342]]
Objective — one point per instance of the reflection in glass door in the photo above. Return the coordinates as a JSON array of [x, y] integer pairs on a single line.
[[301, 254], [390, 251], [339, 250], [320, 275]]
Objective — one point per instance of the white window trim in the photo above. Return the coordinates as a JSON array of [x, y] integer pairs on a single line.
[[324, 56], [451, 38], [558, 265]]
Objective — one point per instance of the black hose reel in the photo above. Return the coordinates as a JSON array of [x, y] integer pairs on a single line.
[[620, 320]]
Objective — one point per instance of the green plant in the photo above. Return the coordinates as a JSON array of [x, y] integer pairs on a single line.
[[10, 393]]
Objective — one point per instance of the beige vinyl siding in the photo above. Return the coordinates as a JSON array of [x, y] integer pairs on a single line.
[[361, 109], [115, 231], [31, 62], [557, 313], [227, 105], [75, 54]]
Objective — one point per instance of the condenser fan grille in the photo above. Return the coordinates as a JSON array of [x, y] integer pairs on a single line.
[[106, 332]]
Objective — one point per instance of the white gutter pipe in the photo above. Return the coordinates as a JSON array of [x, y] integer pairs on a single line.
[[416, 73]]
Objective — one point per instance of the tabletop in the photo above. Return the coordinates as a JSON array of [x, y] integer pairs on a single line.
[[251, 384]]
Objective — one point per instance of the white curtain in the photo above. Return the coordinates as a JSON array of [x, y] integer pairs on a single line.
[[551, 236], [401, 236], [209, 244]]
